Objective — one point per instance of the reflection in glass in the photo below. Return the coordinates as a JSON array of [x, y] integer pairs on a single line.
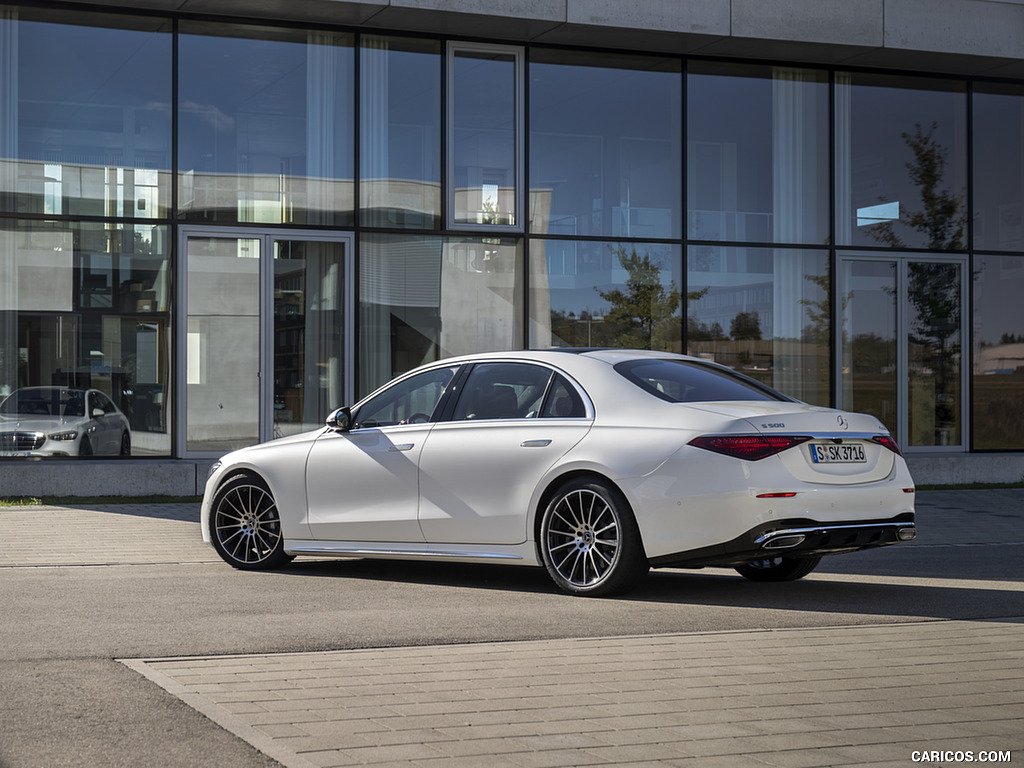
[[998, 166], [85, 122], [222, 343], [400, 152], [485, 99], [410, 401], [309, 333], [869, 367], [605, 294], [605, 146], [765, 312], [757, 153], [901, 161], [426, 298], [998, 373], [269, 139], [933, 349], [88, 306]]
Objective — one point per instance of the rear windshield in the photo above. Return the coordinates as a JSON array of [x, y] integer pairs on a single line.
[[686, 381]]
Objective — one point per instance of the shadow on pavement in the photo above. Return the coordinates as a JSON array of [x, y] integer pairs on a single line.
[[872, 594]]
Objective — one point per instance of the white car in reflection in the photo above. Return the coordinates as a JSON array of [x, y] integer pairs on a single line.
[[596, 464], [62, 421]]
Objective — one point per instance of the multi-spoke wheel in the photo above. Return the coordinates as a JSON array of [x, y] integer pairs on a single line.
[[778, 568], [589, 540], [245, 525]]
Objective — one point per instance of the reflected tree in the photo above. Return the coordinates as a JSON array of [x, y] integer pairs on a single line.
[[644, 314], [933, 288]]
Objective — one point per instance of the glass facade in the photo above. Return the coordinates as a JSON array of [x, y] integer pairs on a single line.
[[757, 153], [400, 121], [605, 145], [605, 294], [86, 133], [227, 230], [763, 311], [88, 306], [901, 161], [269, 139]]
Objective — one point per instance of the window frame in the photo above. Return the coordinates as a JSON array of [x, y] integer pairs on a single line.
[[518, 54]]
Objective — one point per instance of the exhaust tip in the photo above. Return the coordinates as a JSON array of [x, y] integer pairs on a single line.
[[785, 542], [906, 534]]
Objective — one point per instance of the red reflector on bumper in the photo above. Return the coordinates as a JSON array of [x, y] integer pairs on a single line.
[[776, 495]]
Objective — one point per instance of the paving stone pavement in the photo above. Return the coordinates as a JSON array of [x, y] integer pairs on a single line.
[[865, 695], [861, 695]]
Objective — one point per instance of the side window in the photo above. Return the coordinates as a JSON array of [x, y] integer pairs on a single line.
[[103, 402], [502, 391], [564, 402], [410, 401]]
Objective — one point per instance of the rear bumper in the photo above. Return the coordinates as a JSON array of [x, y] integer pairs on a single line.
[[796, 538]]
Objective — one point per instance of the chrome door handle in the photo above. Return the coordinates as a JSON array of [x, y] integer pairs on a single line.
[[534, 443], [401, 447]]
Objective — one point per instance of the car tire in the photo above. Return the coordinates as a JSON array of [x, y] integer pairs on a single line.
[[778, 568], [126, 444], [85, 447], [245, 525], [589, 540]]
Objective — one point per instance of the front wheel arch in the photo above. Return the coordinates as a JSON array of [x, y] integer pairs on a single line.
[[245, 523]]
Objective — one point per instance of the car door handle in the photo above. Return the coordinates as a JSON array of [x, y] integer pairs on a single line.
[[534, 443], [401, 447]]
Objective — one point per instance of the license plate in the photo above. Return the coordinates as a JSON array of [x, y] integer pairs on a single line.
[[838, 454]]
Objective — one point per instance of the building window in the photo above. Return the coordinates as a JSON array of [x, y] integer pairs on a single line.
[[485, 86], [400, 138], [605, 145], [605, 294], [765, 312], [84, 307], [757, 153], [266, 125], [901, 162], [998, 167], [998, 373], [85, 120], [424, 298]]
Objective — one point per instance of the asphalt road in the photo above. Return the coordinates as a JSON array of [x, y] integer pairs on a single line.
[[67, 616]]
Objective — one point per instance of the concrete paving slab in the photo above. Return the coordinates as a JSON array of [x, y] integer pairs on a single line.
[[858, 695]]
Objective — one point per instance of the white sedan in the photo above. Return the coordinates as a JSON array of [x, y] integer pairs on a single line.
[[62, 421], [596, 464]]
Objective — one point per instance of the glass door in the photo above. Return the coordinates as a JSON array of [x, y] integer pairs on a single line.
[[900, 351], [263, 331]]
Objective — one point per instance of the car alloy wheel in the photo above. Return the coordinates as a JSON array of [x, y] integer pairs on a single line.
[[245, 525], [589, 540], [778, 568]]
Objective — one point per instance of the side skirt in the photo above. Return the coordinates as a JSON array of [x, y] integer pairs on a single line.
[[515, 554]]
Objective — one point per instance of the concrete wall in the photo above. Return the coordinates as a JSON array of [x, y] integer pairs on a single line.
[[951, 36], [91, 478]]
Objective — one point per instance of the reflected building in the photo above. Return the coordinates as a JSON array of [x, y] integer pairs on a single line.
[[231, 225]]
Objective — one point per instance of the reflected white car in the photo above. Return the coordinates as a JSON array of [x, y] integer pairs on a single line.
[[595, 464], [62, 421]]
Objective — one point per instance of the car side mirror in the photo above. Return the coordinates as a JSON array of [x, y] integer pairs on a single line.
[[341, 419], [97, 412]]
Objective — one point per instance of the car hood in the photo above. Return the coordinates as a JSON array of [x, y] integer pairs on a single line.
[[30, 423], [774, 417]]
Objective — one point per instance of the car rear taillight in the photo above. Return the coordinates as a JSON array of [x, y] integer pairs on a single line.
[[887, 442], [749, 447]]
